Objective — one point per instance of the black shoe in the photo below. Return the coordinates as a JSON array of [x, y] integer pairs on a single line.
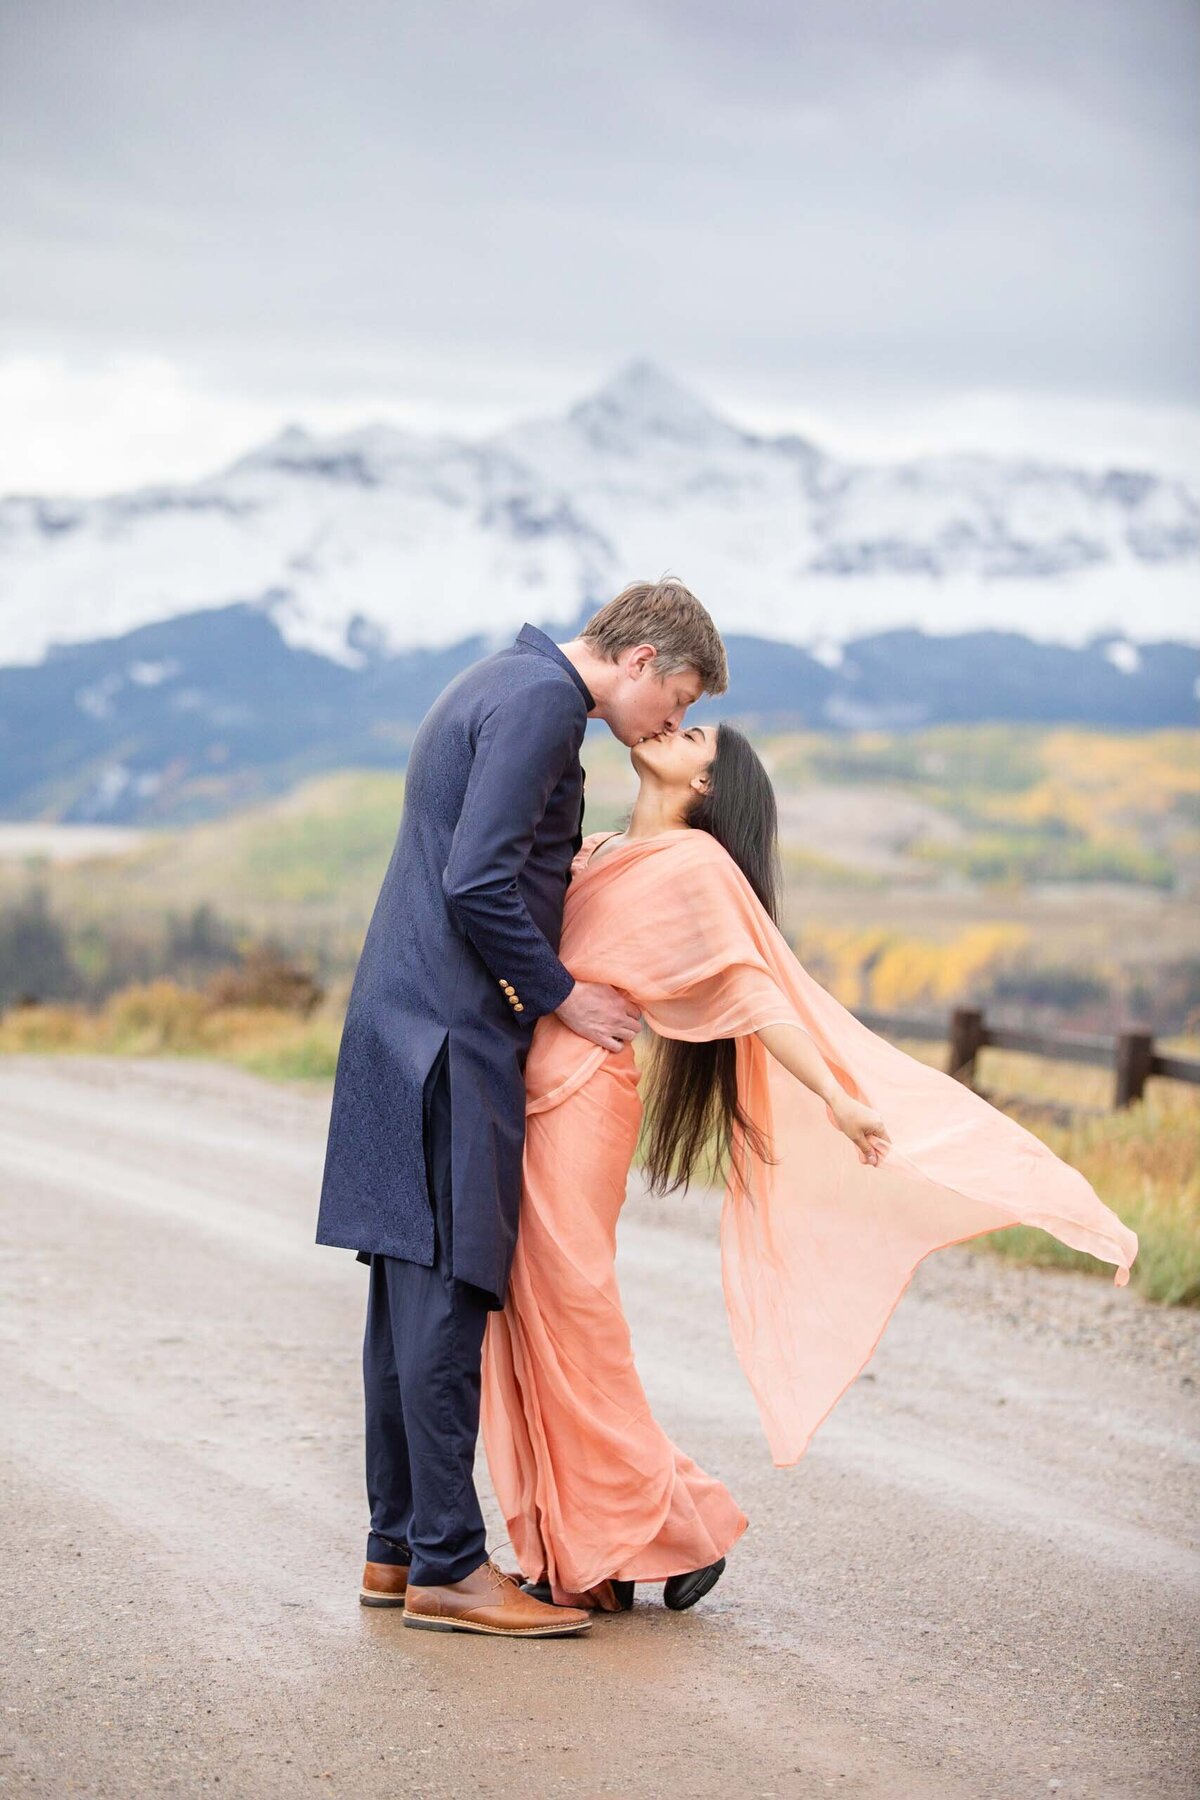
[[682, 1591], [622, 1593]]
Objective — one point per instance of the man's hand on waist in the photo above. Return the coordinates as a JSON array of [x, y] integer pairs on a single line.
[[600, 1013]]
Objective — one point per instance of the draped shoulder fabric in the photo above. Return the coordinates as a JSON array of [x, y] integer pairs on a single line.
[[817, 1246]]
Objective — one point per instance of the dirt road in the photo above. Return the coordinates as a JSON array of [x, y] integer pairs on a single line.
[[982, 1580]]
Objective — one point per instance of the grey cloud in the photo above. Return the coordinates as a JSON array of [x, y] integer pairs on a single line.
[[832, 195]]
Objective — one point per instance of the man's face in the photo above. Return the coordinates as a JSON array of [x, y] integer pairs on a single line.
[[645, 703]]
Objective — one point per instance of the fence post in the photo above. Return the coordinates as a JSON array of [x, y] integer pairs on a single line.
[[1135, 1057], [966, 1041]]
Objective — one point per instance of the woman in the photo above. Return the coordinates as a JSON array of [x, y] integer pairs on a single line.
[[828, 1209]]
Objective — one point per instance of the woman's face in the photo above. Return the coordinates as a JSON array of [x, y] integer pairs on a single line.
[[677, 760]]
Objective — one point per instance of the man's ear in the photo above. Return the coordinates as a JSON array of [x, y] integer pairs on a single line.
[[638, 660]]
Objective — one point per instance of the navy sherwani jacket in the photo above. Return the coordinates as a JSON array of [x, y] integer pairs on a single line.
[[462, 946]]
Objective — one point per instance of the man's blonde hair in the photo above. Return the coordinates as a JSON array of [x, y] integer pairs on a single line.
[[663, 613]]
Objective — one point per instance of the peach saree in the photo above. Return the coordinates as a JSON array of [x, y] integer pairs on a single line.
[[817, 1246]]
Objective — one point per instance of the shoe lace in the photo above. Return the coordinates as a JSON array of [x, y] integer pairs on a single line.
[[498, 1578]]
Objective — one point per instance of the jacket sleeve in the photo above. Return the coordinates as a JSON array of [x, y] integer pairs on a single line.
[[523, 747]]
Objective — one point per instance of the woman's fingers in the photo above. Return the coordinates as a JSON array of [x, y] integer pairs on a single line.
[[866, 1131], [873, 1140], [876, 1136]]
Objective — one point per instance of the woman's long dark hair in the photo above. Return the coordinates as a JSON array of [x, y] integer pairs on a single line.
[[693, 1117]]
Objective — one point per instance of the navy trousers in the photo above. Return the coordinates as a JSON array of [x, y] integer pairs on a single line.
[[421, 1377]]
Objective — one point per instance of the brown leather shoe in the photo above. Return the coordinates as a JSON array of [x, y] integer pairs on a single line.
[[490, 1601], [383, 1584]]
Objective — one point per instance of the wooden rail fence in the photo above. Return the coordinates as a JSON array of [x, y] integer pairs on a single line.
[[1130, 1054]]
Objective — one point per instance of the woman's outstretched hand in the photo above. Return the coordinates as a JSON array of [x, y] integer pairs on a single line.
[[862, 1125], [792, 1046]]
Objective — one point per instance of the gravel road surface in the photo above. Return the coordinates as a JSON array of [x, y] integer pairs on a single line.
[[981, 1581]]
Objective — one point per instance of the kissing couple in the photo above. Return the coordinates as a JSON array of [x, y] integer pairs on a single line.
[[487, 1107]]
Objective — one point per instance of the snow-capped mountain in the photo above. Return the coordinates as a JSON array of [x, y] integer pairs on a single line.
[[383, 540]]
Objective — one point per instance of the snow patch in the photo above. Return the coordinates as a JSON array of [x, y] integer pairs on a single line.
[[1123, 656], [150, 674]]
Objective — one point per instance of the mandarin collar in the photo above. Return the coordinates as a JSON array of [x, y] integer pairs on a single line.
[[533, 639]]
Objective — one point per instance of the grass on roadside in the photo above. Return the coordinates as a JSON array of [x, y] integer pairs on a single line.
[[162, 1019]]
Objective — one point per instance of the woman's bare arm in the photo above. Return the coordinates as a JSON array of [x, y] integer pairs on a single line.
[[801, 1058], [795, 1051]]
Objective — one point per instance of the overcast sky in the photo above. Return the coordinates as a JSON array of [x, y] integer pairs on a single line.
[[892, 223]]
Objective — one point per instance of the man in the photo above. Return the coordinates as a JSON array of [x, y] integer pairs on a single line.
[[423, 1163]]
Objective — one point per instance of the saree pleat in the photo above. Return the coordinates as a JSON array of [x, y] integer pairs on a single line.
[[590, 1486]]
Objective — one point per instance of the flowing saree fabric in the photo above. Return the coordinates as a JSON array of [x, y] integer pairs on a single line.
[[817, 1246]]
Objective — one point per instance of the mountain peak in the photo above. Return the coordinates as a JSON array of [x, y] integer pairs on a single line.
[[362, 454], [640, 382], [292, 438], [291, 441], [639, 401]]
